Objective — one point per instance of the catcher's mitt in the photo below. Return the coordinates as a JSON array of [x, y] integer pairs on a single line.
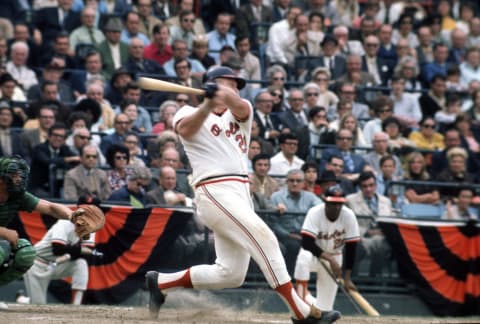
[[87, 219]]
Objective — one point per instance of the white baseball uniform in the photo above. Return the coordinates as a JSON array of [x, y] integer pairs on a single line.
[[218, 155], [44, 268], [331, 238]]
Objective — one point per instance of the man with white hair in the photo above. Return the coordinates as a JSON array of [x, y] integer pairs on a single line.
[[346, 46], [17, 66], [86, 33]]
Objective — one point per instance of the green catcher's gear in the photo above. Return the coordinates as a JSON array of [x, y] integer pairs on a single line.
[[15, 171], [21, 259]]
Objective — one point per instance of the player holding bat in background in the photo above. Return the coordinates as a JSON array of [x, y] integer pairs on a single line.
[[216, 136], [17, 254]]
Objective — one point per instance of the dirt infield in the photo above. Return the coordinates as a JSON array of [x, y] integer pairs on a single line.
[[20, 314]]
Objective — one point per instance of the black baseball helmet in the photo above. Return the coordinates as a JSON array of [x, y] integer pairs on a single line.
[[224, 72], [335, 194]]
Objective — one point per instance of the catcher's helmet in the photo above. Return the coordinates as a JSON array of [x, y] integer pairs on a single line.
[[15, 172], [224, 72], [335, 194]]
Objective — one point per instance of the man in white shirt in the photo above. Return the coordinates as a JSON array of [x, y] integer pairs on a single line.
[[286, 160], [405, 105], [17, 66], [278, 33]]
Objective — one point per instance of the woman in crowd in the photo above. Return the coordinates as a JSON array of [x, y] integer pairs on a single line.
[[349, 122], [130, 109], [456, 172], [407, 68], [470, 132], [311, 178], [321, 76], [167, 110], [132, 143], [427, 138], [311, 92], [118, 157], [415, 169], [397, 143], [277, 95]]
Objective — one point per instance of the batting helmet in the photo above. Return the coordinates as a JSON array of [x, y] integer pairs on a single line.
[[335, 194], [15, 172], [224, 72]]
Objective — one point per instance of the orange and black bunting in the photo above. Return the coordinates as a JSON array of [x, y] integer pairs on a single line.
[[133, 241], [442, 259]]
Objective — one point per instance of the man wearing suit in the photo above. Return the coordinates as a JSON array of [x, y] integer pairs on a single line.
[[114, 53], [254, 12], [367, 202], [137, 64], [387, 50], [336, 63], [52, 20], [9, 140], [353, 163], [93, 69], [85, 179], [380, 69], [147, 20], [295, 119], [32, 137], [165, 193], [53, 151], [52, 73], [268, 126], [121, 125]]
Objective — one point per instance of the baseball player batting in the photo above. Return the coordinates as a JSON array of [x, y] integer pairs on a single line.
[[216, 136], [326, 230]]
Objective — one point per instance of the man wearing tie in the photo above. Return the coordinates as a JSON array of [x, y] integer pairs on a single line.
[[220, 36], [87, 33], [336, 63], [268, 126]]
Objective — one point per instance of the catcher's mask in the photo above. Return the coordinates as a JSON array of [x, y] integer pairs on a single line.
[[14, 171]]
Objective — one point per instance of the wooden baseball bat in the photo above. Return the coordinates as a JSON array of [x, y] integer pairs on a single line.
[[363, 303], [160, 85]]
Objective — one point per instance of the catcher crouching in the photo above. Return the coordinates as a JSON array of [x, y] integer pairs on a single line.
[[17, 254]]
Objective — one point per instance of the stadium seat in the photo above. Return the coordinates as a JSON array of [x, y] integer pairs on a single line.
[[422, 211]]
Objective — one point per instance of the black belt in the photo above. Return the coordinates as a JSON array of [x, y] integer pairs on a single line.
[[221, 176]]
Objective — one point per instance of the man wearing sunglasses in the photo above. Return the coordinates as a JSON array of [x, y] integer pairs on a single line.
[[86, 179]]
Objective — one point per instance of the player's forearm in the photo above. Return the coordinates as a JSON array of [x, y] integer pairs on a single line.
[[238, 107], [56, 210], [190, 125]]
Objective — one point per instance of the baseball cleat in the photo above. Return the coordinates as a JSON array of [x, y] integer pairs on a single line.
[[327, 317], [157, 298]]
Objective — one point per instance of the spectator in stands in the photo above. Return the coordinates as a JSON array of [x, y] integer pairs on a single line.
[[132, 92], [182, 99], [387, 49], [165, 193], [380, 146], [311, 92], [187, 5], [405, 105], [405, 31], [264, 184], [147, 19], [346, 46], [133, 193], [12, 93], [469, 131], [388, 165], [268, 125], [21, 33], [114, 52], [462, 209], [79, 137], [266, 146], [456, 172], [52, 72], [114, 90], [446, 118], [260, 202], [159, 50], [383, 108], [180, 50], [292, 199], [473, 38], [121, 125], [86, 33], [137, 64], [166, 111], [286, 159], [95, 92], [251, 68], [330, 59], [318, 128], [55, 152], [355, 75], [132, 141], [348, 121], [17, 67], [367, 202], [50, 21], [407, 68], [457, 51], [470, 68], [279, 33], [248, 20], [86, 178], [117, 157], [171, 156], [185, 29], [254, 148], [220, 35], [200, 51], [397, 143], [335, 164], [279, 9], [132, 29], [326, 98], [381, 69], [435, 99], [427, 137], [295, 121], [277, 76], [93, 71], [311, 178], [60, 49], [353, 163], [9, 139], [129, 108], [416, 170], [439, 66], [348, 93], [184, 77], [425, 49], [32, 137]]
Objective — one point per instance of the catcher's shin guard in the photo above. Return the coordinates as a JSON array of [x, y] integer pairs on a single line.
[[157, 298]]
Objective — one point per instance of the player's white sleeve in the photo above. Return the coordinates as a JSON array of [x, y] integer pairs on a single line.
[[311, 224], [61, 231], [184, 111]]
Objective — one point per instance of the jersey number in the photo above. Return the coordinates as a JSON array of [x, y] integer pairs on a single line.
[[231, 131]]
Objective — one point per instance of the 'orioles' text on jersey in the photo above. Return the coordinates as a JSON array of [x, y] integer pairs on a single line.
[[331, 236], [219, 147]]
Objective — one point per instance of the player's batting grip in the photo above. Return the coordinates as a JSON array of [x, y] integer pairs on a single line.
[[355, 295], [159, 85]]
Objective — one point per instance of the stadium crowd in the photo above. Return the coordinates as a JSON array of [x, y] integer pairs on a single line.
[[361, 93]]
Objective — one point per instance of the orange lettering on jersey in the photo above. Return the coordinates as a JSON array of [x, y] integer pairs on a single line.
[[242, 142], [338, 237], [233, 129], [216, 130]]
